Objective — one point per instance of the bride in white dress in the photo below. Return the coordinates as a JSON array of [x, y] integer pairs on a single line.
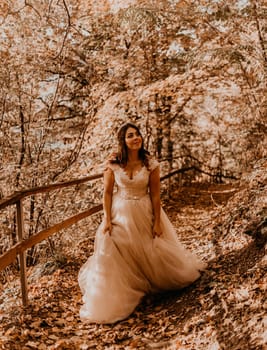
[[136, 247]]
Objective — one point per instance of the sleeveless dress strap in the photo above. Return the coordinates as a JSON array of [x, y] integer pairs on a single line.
[[108, 165], [153, 164]]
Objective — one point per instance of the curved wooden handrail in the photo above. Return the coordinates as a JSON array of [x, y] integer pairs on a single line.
[[18, 195], [23, 244], [20, 248], [8, 257]]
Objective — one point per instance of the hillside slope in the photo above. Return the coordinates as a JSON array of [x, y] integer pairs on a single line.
[[224, 309]]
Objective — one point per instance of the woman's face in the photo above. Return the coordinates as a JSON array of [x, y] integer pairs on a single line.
[[133, 139]]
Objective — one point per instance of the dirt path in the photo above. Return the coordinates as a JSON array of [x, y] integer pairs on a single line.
[[224, 309]]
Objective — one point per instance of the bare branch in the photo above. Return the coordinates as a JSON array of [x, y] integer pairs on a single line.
[[31, 6], [261, 39], [67, 29], [68, 13]]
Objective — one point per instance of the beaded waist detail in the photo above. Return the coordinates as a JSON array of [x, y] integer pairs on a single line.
[[131, 194]]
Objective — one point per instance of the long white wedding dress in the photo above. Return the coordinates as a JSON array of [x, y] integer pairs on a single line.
[[130, 263]]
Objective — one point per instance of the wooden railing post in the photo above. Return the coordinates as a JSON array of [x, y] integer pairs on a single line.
[[22, 255]]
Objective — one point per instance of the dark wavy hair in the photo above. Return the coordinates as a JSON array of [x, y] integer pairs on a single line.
[[122, 155]]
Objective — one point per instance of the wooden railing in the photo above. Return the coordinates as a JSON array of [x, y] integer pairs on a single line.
[[23, 244]]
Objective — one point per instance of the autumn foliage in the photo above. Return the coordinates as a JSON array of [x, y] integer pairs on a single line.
[[192, 74]]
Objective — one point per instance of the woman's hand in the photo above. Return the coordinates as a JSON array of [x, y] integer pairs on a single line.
[[156, 232], [107, 227]]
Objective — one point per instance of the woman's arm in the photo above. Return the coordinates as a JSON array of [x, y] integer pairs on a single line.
[[107, 199], [154, 187]]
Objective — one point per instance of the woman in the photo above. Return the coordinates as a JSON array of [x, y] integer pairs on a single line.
[[136, 247]]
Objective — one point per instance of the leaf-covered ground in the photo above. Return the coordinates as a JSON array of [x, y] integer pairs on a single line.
[[224, 309]]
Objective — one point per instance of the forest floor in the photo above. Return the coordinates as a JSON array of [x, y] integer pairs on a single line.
[[224, 309]]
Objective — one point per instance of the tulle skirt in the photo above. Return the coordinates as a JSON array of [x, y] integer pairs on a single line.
[[130, 263]]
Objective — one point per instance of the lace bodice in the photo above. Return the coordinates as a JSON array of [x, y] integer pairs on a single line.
[[134, 188], [129, 262]]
